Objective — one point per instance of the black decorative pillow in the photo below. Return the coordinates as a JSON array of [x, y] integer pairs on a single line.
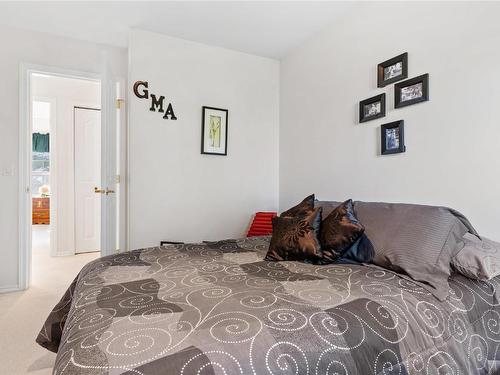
[[361, 252], [339, 231], [303, 208], [296, 238]]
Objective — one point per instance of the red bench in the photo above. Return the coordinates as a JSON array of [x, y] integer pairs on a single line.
[[262, 224]]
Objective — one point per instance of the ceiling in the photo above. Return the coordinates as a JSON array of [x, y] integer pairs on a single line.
[[270, 29]]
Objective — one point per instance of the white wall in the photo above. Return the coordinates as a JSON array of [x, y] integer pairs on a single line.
[[35, 48], [453, 141], [175, 192], [66, 93]]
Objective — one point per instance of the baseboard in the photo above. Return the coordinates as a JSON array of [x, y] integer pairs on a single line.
[[64, 254], [9, 289]]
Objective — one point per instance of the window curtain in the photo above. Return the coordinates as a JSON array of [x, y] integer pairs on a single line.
[[41, 142]]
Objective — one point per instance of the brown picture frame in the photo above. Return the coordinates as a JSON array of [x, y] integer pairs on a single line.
[[399, 91], [363, 117], [382, 81]]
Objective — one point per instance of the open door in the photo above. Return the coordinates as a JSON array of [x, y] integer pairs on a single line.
[[112, 161]]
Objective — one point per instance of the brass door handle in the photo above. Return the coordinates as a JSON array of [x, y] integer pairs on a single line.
[[99, 191], [109, 191]]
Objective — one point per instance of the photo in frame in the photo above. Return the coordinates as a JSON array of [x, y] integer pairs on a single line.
[[393, 138], [392, 70], [411, 91], [372, 108], [214, 124]]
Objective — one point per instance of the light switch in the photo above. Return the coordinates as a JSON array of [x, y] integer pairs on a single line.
[[8, 172]]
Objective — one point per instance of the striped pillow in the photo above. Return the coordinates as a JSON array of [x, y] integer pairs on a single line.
[[415, 240]]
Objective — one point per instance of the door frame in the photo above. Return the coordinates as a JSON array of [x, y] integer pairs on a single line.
[[25, 204]]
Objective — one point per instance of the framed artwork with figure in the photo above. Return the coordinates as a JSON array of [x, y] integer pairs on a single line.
[[214, 123], [393, 138], [392, 70], [372, 108], [411, 91]]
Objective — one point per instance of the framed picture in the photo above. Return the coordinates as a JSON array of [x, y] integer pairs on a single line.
[[411, 91], [392, 70], [372, 108], [214, 131], [393, 138]]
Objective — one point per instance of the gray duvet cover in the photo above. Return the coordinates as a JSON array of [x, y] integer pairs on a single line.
[[218, 308]]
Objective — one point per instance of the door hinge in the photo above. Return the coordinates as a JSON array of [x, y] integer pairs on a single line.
[[119, 103], [117, 179]]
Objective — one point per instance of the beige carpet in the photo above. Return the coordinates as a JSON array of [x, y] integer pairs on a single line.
[[23, 313]]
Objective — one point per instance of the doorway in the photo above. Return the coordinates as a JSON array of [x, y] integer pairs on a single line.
[[97, 145], [66, 168]]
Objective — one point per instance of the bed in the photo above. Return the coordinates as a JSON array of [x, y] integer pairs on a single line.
[[219, 308]]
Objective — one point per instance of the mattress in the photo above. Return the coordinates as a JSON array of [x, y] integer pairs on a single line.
[[218, 308]]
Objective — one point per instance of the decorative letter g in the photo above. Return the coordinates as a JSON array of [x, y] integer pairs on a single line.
[[145, 94]]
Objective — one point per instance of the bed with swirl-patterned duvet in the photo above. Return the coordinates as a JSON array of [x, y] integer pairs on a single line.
[[218, 308]]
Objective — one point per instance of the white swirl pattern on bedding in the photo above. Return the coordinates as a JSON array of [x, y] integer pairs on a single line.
[[218, 308]]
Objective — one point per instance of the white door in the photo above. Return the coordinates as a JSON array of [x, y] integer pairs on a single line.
[[87, 124], [113, 226], [111, 159]]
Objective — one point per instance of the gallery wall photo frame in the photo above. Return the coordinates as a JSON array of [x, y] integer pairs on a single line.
[[372, 108], [392, 70], [214, 129], [393, 138], [411, 91]]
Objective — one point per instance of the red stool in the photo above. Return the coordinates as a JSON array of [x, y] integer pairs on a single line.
[[262, 224]]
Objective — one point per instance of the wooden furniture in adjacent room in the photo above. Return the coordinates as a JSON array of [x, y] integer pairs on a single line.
[[41, 211]]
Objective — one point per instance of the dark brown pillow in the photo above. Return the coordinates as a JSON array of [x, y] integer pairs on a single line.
[[303, 208], [296, 238], [328, 206], [339, 231]]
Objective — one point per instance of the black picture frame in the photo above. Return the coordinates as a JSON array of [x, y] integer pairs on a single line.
[[403, 59], [399, 91], [374, 99], [389, 133], [224, 127]]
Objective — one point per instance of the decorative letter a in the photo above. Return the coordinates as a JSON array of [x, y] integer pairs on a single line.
[[170, 112]]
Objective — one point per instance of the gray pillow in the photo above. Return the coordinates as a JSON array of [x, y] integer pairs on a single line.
[[479, 259], [415, 240]]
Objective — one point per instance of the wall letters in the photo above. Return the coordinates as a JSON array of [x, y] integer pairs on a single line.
[[156, 102]]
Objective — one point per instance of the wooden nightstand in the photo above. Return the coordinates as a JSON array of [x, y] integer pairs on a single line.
[[41, 211]]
